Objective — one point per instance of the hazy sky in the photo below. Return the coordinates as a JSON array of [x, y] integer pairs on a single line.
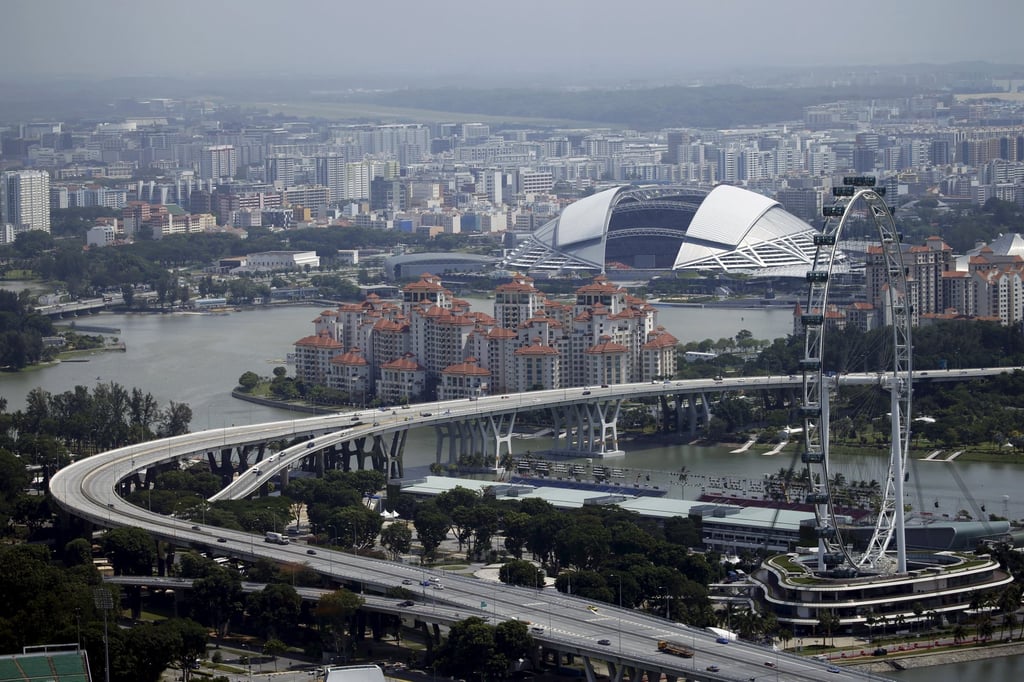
[[488, 38]]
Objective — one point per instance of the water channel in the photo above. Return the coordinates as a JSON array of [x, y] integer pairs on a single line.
[[197, 359]]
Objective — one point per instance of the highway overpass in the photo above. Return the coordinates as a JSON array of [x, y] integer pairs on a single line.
[[89, 489]]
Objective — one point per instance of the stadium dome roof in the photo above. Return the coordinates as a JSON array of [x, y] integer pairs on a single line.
[[726, 229]]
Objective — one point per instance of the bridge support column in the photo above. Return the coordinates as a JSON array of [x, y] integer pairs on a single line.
[[360, 452], [691, 412], [588, 669], [666, 413], [502, 435], [615, 671], [589, 427], [396, 462], [346, 456]]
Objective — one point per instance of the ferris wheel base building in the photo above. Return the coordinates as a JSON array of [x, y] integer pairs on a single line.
[[937, 585]]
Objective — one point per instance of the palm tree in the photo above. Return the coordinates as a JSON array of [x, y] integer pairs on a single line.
[[985, 628], [828, 620], [959, 633], [1010, 621], [918, 610]]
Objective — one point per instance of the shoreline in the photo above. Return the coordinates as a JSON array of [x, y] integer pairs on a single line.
[[927, 660]]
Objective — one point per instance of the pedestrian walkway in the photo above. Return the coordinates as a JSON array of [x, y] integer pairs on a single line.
[[743, 448], [932, 455], [776, 450], [954, 455]]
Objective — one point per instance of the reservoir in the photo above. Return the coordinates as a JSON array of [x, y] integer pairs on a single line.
[[198, 358]]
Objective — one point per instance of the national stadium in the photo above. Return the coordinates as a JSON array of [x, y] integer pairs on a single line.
[[726, 230]]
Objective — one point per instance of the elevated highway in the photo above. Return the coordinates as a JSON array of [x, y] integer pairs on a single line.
[[626, 640]]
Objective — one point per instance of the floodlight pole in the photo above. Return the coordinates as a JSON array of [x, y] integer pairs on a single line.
[[104, 602]]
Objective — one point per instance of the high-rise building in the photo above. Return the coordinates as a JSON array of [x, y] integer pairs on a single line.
[[25, 200], [330, 172], [218, 161]]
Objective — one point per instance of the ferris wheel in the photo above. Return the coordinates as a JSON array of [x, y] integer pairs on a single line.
[[859, 199]]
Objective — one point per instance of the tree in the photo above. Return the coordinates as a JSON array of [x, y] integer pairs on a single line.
[[78, 552], [175, 420], [335, 612], [187, 643], [431, 528], [358, 524], [513, 640], [274, 609], [469, 647], [397, 539], [523, 573], [131, 550], [828, 621], [986, 628], [516, 526], [249, 380], [274, 647], [215, 597]]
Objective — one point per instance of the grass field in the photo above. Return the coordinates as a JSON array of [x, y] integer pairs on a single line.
[[369, 111]]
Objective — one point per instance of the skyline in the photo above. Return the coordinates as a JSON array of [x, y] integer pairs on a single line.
[[490, 44]]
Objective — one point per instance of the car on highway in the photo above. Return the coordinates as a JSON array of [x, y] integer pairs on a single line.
[[425, 583], [310, 444], [407, 602], [196, 528], [438, 586], [537, 629], [834, 669], [604, 642], [424, 414], [407, 582], [310, 551], [722, 640], [222, 539], [712, 668], [769, 664], [355, 418], [586, 392], [435, 579]]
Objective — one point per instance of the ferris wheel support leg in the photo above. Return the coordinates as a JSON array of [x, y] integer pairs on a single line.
[[896, 465]]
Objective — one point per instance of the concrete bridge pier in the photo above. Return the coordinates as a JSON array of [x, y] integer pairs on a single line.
[[500, 431], [605, 416], [388, 455], [360, 453], [691, 411], [588, 669], [344, 457]]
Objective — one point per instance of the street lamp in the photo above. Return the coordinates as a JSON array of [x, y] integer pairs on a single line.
[[273, 518], [103, 601], [668, 604], [620, 609], [330, 552]]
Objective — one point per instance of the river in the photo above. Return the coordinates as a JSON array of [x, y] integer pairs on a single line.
[[197, 359]]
